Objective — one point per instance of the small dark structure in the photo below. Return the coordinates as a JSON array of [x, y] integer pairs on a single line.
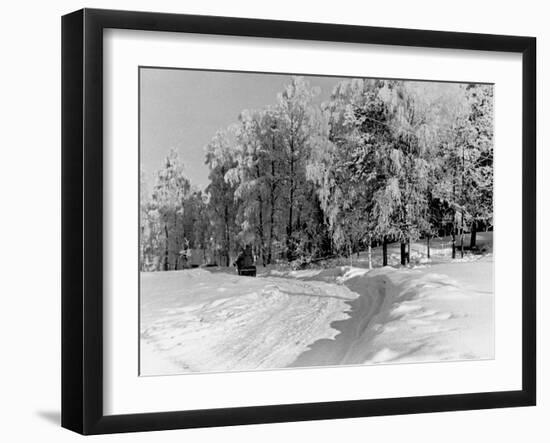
[[245, 262]]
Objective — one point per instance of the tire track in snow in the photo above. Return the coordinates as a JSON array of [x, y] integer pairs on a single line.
[[350, 345]]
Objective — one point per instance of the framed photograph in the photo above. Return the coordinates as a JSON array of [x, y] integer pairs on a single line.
[[269, 221]]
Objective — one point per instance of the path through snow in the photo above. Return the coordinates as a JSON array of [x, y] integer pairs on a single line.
[[432, 313], [201, 321]]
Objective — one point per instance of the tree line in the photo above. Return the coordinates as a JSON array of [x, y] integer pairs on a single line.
[[380, 161]]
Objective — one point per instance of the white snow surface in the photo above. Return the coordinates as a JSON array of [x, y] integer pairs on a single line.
[[202, 321], [196, 320], [425, 314]]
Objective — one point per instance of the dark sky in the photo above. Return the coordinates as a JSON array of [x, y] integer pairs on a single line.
[[184, 109]]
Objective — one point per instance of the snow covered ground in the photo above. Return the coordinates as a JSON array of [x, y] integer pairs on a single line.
[[195, 320], [434, 310], [431, 313]]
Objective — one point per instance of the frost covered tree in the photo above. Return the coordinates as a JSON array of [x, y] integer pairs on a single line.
[[478, 159], [150, 233], [297, 127], [342, 166], [380, 161], [220, 160], [273, 176], [465, 163], [251, 155], [169, 193]]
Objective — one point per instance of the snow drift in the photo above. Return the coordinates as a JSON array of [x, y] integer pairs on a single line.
[[201, 321]]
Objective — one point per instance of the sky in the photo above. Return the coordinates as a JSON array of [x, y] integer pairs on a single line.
[[183, 109]]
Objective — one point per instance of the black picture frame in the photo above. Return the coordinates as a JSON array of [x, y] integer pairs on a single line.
[[82, 218]]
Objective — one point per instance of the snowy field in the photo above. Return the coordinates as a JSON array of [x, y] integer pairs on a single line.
[[202, 320]]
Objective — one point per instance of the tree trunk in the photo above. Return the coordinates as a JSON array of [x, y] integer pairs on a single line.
[[166, 247], [454, 220], [408, 250], [403, 253], [272, 188], [260, 218], [271, 212], [385, 251], [462, 234], [176, 260], [454, 241], [370, 253], [473, 235], [261, 231], [289, 246], [428, 245], [226, 232], [270, 245]]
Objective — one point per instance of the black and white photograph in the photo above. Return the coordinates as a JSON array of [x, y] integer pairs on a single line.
[[294, 221], [246, 222]]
